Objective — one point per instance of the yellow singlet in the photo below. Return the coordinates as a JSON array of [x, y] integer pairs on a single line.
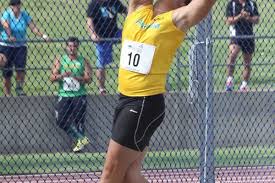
[[159, 38]]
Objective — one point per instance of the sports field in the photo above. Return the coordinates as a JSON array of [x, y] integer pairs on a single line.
[[263, 174], [87, 162], [63, 18]]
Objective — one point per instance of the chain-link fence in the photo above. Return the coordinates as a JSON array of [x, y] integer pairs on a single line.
[[219, 124]]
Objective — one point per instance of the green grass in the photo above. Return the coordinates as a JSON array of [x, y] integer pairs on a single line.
[[87, 162], [60, 19]]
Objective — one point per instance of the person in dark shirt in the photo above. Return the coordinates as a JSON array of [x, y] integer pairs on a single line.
[[241, 16], [102, 24]]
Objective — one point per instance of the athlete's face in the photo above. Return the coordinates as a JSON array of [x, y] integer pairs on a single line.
[[72, 48], [16, 8]]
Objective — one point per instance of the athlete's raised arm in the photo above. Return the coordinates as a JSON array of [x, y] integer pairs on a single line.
[[134, 4], [188, 16]]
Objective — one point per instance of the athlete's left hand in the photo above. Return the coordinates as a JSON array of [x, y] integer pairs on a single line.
[[246, 14], [79, 79]]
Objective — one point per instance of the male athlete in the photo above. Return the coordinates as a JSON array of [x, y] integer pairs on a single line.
[[151, 35]]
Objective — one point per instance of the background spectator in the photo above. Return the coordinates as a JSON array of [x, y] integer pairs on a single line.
[[102, 23], [72, 71], [13, 44], [241, 16]]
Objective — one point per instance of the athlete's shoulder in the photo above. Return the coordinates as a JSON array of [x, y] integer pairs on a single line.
[[252, 2], [93, 2], [230, 4], [63, 57], [93, 5], [7, 10], [6, 13], [25, 14], [233, 2], [81, 57]]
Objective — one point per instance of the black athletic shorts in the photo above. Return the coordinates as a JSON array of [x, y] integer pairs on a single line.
[[247, 45], [136, 119], [16, 56]]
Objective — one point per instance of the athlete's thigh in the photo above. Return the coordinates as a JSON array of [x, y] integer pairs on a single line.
[[63, 111], [20, 58], [134, 170], [3, 59], [152, 115], [8, 52], [248, 46], [104, 53], [123, 156], [136, 119], [125, 124], [234, 47]]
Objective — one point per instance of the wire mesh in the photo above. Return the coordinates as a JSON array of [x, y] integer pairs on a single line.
[[35, 149]]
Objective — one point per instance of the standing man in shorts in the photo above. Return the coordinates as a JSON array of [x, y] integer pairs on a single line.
[[241, 15], [151, 35], [102, 24], [13, 48], [72, 71]]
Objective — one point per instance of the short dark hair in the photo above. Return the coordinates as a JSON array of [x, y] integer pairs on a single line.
[[187, 2], [15, 2], [73, 39]]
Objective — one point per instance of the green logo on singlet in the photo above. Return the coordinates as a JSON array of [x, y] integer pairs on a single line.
[[143, 25]]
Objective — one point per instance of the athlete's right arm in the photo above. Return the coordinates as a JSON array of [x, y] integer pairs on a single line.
[[92, 11], [234, 19], [190, 15], [91, 29], [5, 19], [56, 76], [6, 26], [135, 4]]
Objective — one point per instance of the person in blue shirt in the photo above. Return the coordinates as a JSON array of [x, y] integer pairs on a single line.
[[102, 24], [13, 50]]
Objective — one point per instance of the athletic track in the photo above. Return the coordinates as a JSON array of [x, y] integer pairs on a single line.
[[263, 174]]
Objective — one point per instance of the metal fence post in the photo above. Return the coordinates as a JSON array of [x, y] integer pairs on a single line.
[[204, 104]]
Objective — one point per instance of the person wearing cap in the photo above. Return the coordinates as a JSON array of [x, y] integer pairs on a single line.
[[13, 49]]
